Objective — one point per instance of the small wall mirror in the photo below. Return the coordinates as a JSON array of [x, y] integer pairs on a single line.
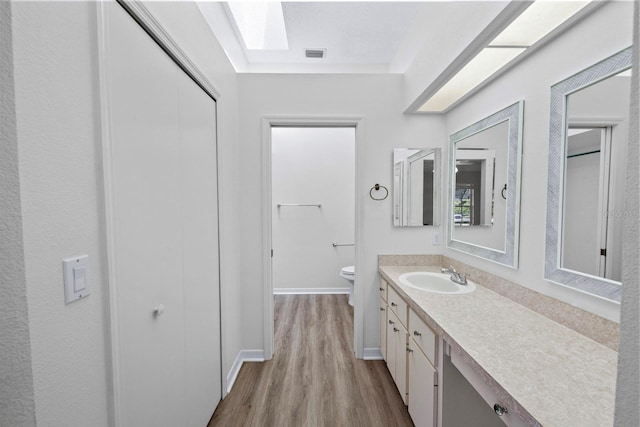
[[484, 193], [416, 181], [587, 169]]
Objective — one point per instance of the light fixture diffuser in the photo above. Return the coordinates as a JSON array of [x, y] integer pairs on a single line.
[[533, 24], [537, 21], [484, 64]]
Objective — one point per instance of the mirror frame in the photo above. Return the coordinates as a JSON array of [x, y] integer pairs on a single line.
[[436, 187], [553, 271], [509, 257]]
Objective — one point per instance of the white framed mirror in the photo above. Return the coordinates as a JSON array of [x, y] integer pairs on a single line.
[[484, 187], [585, 189], [416, 184]]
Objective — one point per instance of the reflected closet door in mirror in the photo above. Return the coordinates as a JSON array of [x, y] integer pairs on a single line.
[[585, 192]]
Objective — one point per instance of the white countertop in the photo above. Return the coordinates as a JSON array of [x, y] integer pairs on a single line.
[[555, 376]]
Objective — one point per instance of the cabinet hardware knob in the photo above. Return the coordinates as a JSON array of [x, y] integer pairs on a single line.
[[158, 310], [409, 350], [395, 329], [393, 304], [391, 322], [417, 334], [500, 410], [381, 308], [382, 289]]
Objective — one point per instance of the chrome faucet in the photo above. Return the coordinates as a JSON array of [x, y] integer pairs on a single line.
[[459, 278]]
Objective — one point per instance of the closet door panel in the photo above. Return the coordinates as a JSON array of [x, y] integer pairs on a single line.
[[147, 226], [201, 266]]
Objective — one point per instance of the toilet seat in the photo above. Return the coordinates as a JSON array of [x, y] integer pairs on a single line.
[[349, 270]]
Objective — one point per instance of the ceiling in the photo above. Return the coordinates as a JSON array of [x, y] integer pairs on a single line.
[[361, 36]]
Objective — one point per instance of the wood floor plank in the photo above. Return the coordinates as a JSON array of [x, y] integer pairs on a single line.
[[314, 379]]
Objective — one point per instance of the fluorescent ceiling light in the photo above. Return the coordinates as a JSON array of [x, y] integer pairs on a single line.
[[261, 24], [487, 62], [537, 21], [532, 25]]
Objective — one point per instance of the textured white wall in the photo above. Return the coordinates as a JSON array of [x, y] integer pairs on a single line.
[[600, 35], [16, 392], [376, 98], [60, 180], [312, 165], [627, 411]]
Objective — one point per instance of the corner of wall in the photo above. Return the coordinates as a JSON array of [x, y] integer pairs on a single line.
[[17, 405]]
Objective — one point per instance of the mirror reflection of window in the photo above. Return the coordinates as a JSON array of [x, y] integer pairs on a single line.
[[480, 173], [596, 141], [483, 214]]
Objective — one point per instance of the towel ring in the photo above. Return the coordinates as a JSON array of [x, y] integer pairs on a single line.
[[378, 187]]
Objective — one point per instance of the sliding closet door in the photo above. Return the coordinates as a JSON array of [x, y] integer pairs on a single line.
[[164, 234], [200, 255]]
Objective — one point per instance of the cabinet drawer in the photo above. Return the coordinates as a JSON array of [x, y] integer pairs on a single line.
[[383, 289], [424, 337], [397, 305]]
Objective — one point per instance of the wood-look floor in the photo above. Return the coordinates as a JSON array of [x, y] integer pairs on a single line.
[[314, 378]]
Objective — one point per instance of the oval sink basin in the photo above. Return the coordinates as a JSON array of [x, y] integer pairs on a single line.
[[435, 282]]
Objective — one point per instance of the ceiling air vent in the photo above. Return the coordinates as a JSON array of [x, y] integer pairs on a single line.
[[315, 53]]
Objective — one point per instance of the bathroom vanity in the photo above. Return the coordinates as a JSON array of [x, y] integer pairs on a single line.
[[528, 369]]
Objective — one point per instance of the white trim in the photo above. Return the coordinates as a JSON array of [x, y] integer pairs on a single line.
[[372, 353], [147, 21], [359, 294], [243, 356], [110, 223], [310, 291]]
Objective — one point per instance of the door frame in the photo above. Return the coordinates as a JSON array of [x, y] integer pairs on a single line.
[[267, 269]]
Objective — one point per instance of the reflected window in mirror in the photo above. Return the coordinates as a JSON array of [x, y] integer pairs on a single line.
[[416, 183], [587, 169], [484, 186]]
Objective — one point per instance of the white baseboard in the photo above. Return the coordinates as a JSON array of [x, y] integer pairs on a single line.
[[372, 354], [243, 356], [309, 291]]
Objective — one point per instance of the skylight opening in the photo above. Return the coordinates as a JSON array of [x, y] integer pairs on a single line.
[[260, 24]]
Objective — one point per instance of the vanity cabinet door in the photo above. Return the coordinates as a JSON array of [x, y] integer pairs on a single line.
[[422, 386], [397, 353], [383, 329]]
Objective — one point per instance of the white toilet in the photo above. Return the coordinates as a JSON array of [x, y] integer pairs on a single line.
[[348, 273]]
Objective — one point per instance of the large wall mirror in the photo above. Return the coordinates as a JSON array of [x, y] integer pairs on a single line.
[[587, 169], [484, 190], [416, 184]]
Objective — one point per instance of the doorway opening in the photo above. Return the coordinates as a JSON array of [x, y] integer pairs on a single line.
[[311, 212]]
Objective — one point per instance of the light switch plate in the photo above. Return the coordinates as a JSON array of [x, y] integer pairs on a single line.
[[76, 278], [435, 238]]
